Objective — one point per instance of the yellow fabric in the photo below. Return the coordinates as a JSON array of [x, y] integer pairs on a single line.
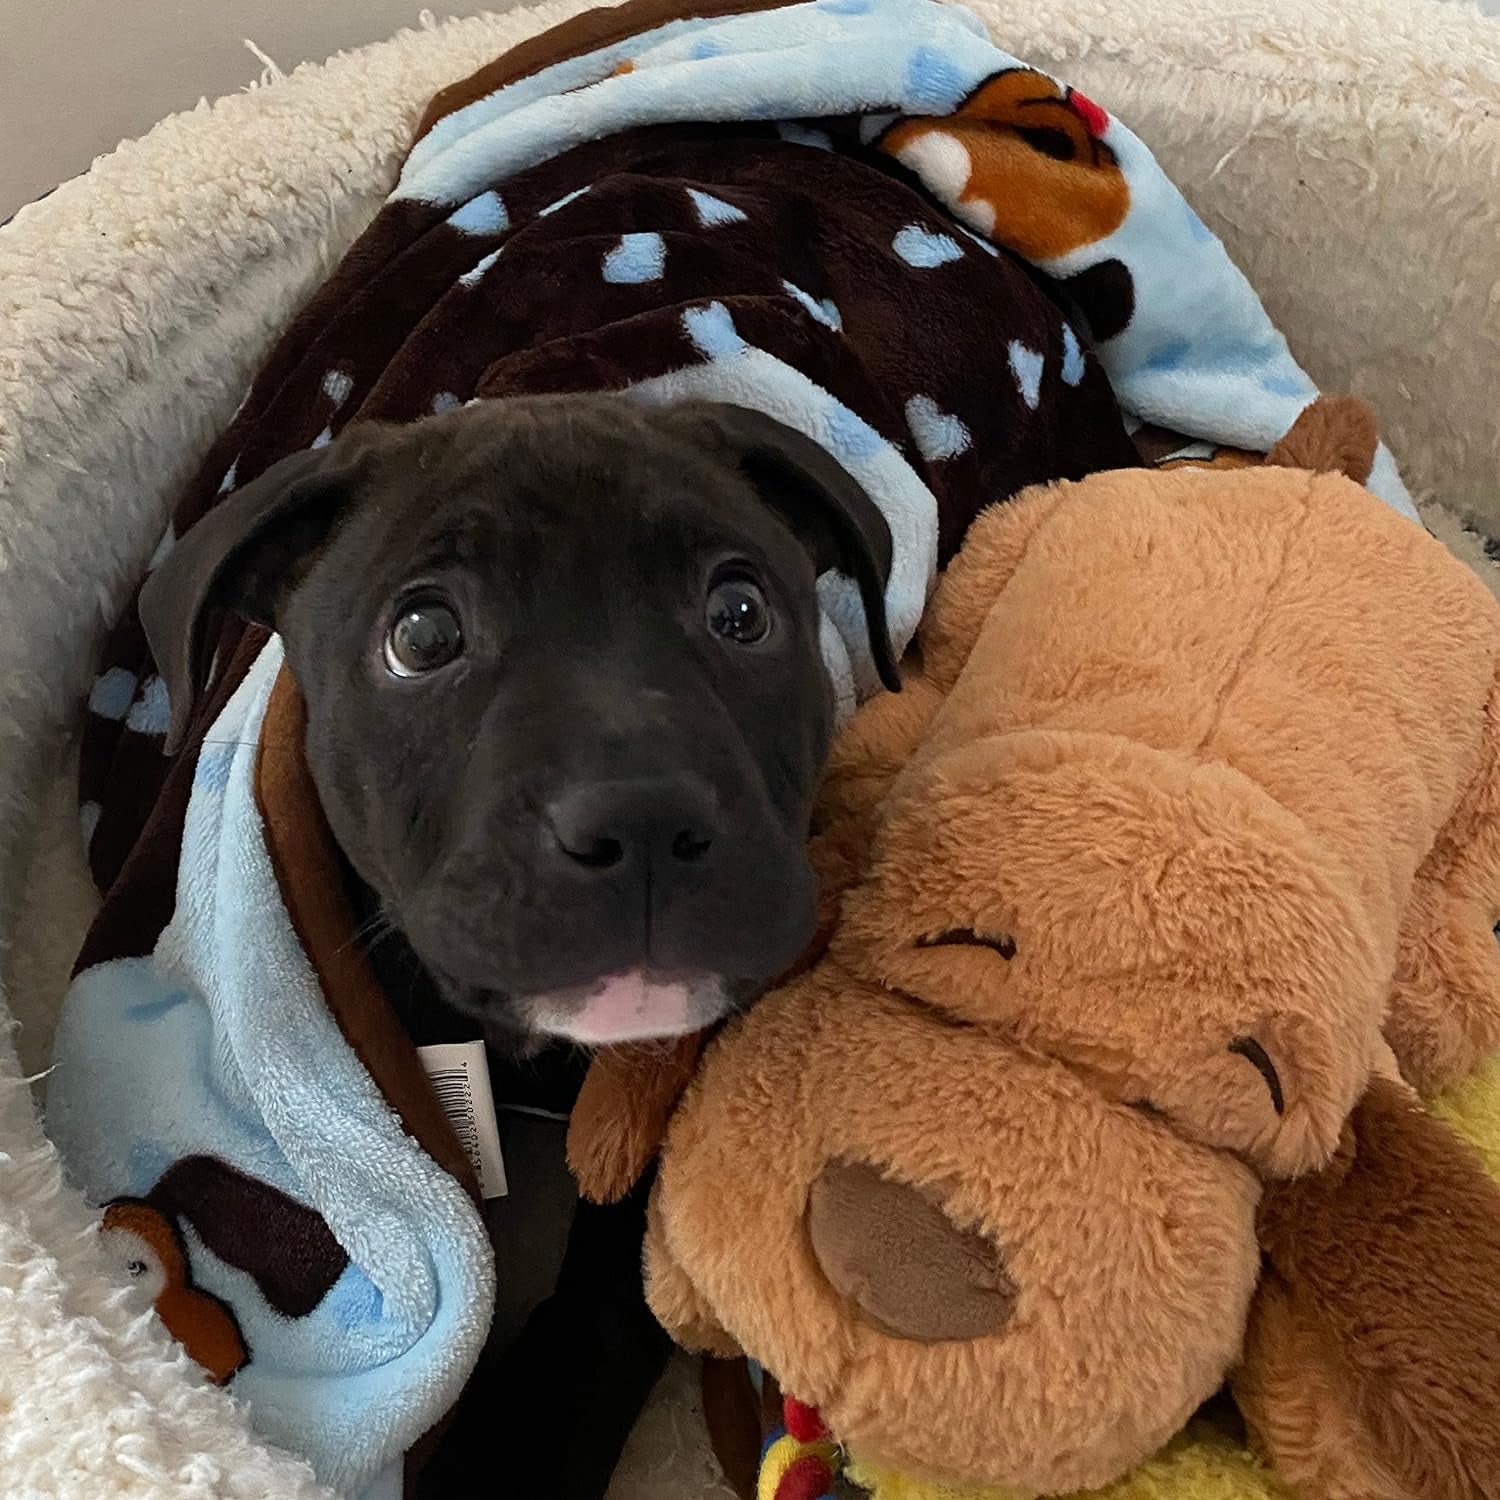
[[1472, 1108], [886, 1484], [1205, 1463]]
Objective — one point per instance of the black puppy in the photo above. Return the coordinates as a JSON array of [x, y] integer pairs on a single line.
[[566, 705], [567, 711]]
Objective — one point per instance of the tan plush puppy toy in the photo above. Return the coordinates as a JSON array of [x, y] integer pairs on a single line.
[[1180, 851]]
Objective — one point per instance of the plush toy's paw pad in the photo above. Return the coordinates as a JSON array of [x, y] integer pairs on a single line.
[[892, 1251]]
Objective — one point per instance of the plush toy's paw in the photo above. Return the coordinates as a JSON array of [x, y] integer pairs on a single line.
[[678, 1305], [621, 1113], [1370, 1369], [1298, 1406], [894, 1253]]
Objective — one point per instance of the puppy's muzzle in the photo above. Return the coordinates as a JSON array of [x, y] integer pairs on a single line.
[[638, 844]]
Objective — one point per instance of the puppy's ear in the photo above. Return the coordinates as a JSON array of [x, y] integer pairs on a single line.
[[825, 506], [240, 558]]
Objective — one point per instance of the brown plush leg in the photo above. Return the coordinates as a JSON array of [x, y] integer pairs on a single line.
[[1370, 1368], [621, 1113], [731, 1412], [1444, 1015], [1298, 1408]]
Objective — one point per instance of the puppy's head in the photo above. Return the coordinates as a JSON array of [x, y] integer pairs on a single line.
[[565, 696]]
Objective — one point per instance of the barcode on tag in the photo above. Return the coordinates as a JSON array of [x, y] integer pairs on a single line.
[[460, 1078]]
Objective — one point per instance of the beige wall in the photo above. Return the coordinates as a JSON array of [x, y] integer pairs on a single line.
[[78, 76]]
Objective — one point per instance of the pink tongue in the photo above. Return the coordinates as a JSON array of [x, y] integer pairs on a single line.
[[632, 1007]]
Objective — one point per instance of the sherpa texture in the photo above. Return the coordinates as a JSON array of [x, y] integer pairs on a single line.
[[1345, 152]]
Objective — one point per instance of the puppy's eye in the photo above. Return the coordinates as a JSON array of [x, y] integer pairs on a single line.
[[425, 635], [737, 610], [966, 937]]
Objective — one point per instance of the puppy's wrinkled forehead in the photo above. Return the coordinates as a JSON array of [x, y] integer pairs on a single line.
[[528, 512], [592, 491]]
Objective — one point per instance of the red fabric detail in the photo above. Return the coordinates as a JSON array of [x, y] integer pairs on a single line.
[[802, 1421], [1095, 119], [807, 1479]]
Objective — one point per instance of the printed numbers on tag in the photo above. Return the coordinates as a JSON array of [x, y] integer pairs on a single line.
[[460, 1076]]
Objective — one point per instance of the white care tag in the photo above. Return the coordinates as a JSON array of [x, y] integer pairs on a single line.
[[460, 1076]]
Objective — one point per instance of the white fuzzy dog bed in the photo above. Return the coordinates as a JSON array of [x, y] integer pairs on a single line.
[[1348, 153]]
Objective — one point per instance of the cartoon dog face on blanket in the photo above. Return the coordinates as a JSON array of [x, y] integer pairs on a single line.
[[1121, 916], [1023, 161], [1001, 154], [248, 1224]]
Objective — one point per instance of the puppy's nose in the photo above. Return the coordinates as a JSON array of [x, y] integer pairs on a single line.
[[663, 821]]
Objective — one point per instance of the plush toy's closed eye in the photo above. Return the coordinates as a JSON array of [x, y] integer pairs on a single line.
[[1258, 1058], [966, 937]]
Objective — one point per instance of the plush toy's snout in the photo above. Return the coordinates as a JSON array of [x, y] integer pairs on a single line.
[[1001, 1277]]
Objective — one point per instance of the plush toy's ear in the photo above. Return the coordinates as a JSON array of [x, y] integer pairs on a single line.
[[620, 1116], [1371, 1366], [1335, 435], [823, 504], [994, 549], [240, 557], [892, 1252], [868, 755]]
